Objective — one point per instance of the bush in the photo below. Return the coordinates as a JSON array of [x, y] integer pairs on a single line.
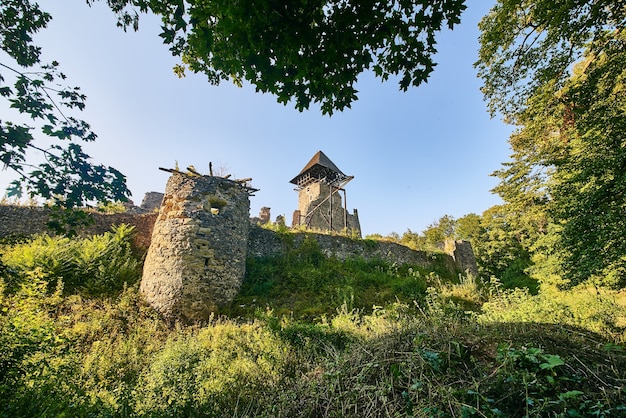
[[100, 264], [224, 369]]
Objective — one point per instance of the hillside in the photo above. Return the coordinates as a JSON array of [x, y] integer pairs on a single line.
[[307, 336]]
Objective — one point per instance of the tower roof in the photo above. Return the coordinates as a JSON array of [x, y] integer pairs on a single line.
[[320, 168]]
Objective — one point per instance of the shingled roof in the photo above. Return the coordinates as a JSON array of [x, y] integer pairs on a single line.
[[319, 168]]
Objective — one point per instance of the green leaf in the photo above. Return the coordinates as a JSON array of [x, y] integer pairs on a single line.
[[14, 190], [570, 395], [551, 361]]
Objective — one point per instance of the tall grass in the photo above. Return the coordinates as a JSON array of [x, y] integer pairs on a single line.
[[590, 308]]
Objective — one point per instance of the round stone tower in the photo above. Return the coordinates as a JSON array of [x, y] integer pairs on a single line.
[[197, 257]]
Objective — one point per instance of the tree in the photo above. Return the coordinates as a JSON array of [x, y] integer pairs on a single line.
[[303, 51], [438, 232], [413, 240], [527, 44], [65, 177], [566, 176], [589, 189], [503, 249], [467, 227]]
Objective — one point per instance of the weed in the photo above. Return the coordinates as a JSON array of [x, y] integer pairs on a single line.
[[582, 307], [308, 284]]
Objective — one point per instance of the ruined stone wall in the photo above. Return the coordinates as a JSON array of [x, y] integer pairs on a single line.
[[353, 223], [22, 220], [18, 220], [25, 221], [197, 257], [152, 201], [463, 255], [264, 242], [202, 236]]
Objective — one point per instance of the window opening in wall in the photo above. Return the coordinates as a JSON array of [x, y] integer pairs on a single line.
[[216, 204]]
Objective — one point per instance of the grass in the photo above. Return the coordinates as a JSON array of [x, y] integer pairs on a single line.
[[323, 339], [307, 284]]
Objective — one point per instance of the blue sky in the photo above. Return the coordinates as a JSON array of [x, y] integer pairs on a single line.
[[415, 156]]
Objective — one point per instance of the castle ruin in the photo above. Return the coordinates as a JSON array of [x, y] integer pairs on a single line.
[[200, 238]]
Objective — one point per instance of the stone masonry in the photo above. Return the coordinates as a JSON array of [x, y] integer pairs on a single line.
[[152, 201], [22, 221], [316, 196], [463, 255], [264, 243], [196, 260]]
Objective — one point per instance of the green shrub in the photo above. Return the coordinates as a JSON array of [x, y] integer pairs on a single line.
[[96, 265], [220, 370], [26, 325], [311, 337], [530, 382], [32, 361], [72, 356]]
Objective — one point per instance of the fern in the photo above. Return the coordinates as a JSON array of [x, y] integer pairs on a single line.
[[96, 265]]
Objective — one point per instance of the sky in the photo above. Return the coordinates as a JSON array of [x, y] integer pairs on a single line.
[[415, 156]]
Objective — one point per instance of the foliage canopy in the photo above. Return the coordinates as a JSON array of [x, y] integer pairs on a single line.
[[306, 51], [564, 187], [526, 44]]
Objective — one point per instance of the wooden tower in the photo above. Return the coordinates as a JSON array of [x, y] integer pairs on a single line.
[[320, 186]]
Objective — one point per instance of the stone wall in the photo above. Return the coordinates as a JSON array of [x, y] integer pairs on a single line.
[[152, 201], [202, 235], [197, 258], [463, 255], [265, 242], [24, 221], [19, 220]]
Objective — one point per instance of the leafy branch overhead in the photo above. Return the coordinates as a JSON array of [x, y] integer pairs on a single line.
[[526, 44], [304, 51], [42, 116]]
